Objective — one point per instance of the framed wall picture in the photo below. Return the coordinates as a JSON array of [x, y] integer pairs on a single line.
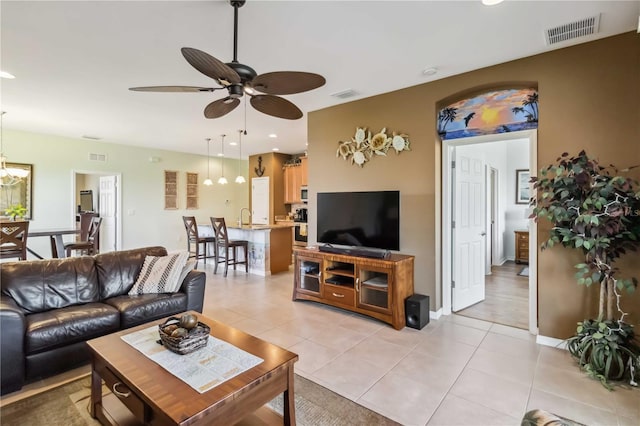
[[522, 187], [19, 192]]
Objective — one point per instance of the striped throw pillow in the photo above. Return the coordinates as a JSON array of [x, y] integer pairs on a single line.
[[160, 274]]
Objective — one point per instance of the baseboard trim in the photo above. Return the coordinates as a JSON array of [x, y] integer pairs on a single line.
[[435, 315], [551, 341]]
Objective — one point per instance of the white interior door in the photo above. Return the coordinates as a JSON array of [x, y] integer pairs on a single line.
[[260, 200], [469, 229], [107, 210]]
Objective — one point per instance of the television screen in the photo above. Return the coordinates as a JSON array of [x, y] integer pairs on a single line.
[[362, 219], [86, 200]]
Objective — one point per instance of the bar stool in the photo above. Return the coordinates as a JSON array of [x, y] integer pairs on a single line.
[[224, 244], [194, 240]]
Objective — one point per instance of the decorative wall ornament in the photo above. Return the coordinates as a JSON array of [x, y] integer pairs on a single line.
[[259, 170], [170, 190], [362, 147], [192, 191], [497, 111]]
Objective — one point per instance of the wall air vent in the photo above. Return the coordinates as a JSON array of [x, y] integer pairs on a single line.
[[573, 30], [98, 157], [345, 94]]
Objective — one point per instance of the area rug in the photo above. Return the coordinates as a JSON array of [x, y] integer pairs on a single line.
[[524, 272], [68, 405]]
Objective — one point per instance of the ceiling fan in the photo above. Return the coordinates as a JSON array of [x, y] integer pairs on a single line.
[[239, 79]]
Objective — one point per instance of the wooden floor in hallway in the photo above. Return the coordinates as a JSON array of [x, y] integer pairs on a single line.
[[506, 297]]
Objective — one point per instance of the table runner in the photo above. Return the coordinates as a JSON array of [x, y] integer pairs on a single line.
[[202, 369]]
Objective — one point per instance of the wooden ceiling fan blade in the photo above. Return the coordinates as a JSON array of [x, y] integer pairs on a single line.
[[276, 106], [287, 82], [221, 107], [176, 89], [210, 66]]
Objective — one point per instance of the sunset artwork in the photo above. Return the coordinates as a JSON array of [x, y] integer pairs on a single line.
[[493, 112]]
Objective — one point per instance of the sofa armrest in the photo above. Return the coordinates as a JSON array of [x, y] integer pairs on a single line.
[[193, 287], [12, 359]]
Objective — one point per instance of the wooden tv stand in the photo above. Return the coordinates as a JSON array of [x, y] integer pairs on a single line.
[[373, 287]]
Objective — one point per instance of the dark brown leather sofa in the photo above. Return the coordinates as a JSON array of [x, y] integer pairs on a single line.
[[50, 308]]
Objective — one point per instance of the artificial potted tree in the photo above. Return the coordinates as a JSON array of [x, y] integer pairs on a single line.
[[596, 210]]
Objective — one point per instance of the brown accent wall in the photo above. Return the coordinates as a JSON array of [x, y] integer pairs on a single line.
[[589, 99]]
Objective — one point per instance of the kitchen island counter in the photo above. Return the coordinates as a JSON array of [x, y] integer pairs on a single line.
[[270, 246]]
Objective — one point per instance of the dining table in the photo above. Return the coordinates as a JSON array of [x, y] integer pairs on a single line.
[[57, 243]]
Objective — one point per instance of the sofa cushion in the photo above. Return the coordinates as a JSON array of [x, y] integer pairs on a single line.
[[64, 326], [42, 285], [138, 309], [118, 270], [160, 274]]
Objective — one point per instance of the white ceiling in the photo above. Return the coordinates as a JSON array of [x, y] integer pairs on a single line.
[[75, 60]]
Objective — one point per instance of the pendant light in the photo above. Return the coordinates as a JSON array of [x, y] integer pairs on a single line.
[[208, 181], [9, 176], [240, 178], [222, 180]]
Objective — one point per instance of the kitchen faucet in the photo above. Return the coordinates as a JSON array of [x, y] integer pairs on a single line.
[[240, 220]]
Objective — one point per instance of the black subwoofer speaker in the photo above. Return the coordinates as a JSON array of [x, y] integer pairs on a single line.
[[416, 310]]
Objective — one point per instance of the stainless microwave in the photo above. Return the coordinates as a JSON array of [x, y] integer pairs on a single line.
[[304, 194]]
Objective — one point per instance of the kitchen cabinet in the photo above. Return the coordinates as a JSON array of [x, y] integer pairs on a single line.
[[295, 176], [304, 171]]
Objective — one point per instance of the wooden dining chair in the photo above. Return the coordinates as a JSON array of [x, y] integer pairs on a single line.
[[85, 223], [194, 240], [91, 245], [225, 246], [13, 239]]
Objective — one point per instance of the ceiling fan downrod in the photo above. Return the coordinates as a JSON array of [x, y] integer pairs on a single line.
[[236, 4]]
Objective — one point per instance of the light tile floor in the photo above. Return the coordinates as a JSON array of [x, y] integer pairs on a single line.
[[455, 371]]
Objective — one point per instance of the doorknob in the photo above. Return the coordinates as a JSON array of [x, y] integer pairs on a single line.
[[482, 234]]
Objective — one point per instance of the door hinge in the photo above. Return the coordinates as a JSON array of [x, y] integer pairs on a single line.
[[453, 284], [453, 164], [453, 223]]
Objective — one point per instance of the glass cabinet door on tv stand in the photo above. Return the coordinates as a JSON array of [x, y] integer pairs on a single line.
[[372, 288], [308, 275]]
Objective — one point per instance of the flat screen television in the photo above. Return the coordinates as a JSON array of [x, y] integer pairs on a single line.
[[359, 219], [86, 200]]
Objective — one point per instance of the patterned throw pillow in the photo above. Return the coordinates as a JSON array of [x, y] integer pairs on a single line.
[[160, 274]]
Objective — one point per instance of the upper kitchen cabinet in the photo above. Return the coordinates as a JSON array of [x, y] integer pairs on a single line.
[[295, 177]]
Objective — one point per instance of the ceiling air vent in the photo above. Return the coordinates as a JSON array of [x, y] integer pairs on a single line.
[[345, 94], [576, 29], [98, 157]]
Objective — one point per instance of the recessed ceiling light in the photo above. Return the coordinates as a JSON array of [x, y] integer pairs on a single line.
[[275, 149], [233, 143], [4, 74], [430, 71], [273, 135], [220, 154], [491, 2]]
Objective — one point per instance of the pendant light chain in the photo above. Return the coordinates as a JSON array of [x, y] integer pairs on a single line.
[[222, 180], [208, 181], [240, 178]]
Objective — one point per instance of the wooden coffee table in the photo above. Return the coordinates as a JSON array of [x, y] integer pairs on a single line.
[[145, 393]]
